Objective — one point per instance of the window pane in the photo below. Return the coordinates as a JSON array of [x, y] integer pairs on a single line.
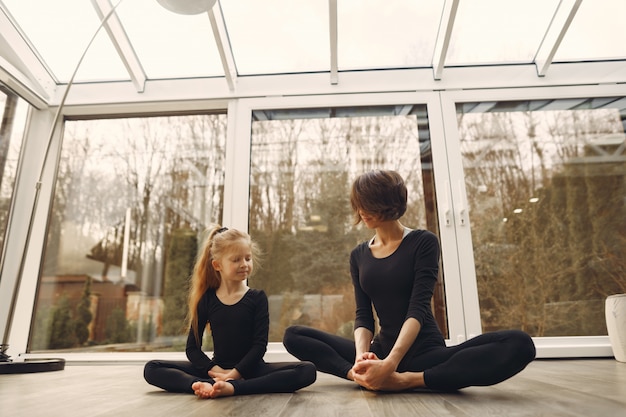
[[546, 182], [13, 112], [131, 197], [60, 34], [596, 32], [387, 33], [187, 50], [499, 32], [303, 165], [278, 37]]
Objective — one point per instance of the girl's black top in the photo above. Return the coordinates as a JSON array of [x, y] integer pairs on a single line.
[[239, 331]]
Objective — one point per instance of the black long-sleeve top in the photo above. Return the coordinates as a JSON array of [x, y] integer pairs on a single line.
[[399, 286], [239, 331]]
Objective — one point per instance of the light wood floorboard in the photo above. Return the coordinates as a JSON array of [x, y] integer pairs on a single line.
[[572, 387]]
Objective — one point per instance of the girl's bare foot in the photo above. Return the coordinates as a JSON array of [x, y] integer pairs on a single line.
[[222, 389], [202, 389]]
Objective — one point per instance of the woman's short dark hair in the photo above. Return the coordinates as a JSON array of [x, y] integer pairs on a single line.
[[379, 192]]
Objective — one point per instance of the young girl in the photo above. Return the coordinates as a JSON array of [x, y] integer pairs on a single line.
[[395, 273], [238, 318]]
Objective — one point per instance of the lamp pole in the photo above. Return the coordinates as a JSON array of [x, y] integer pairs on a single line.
[[6, 364]]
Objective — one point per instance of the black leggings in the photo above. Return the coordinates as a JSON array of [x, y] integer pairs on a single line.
[[483, 360], [178, 376]]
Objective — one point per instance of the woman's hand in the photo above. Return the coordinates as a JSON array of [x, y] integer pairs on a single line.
[[220, 374], [371, 372], [380, 374], [360, 357], [365, 356]]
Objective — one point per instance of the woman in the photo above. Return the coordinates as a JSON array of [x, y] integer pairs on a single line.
[[395, 273], [239, 320]]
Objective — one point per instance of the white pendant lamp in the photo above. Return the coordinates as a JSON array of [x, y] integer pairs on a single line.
[[188, 6]]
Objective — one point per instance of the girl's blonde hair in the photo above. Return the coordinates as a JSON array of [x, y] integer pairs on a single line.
[[219, 240]]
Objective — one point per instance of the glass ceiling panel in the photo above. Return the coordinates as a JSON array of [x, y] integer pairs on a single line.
[[387, 33], [497, 31], [596, 33], [288, 36], [60, 32], [279, 36], [170, 45]]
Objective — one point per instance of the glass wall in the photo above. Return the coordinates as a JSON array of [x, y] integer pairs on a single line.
[[131, 197], [544, 181], [12, 125], [303, 162], [546, 185]]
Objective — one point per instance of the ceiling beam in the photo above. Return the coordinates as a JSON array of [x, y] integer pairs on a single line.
[[519, 81], [332, 20], [448, 15], [122, 44], [561, 20], [21, 55], [21, 85], [218, 24]]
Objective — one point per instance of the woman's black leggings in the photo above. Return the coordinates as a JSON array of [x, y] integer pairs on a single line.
[[483, 360], [178, 376]]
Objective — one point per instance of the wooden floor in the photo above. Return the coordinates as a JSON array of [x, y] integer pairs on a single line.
[[595, 387]]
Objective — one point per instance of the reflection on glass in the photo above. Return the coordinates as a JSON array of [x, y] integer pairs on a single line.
[[303, 164], [546, 182], [131, 196], [13, 120]]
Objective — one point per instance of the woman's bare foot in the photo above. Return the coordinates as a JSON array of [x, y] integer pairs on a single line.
[[350, 375], [222, 389], [202, 389], [402, 381]]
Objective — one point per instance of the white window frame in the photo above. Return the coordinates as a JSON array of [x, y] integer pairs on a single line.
[[547, 347], [392, 87]]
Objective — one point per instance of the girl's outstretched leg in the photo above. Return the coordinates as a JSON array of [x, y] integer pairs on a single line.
[[173, 376], [275, 378]]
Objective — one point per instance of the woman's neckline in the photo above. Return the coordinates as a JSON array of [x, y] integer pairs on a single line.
[[385, 255]]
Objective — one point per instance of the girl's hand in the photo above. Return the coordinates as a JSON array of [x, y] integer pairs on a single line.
[[216, 369], [219, 374]]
